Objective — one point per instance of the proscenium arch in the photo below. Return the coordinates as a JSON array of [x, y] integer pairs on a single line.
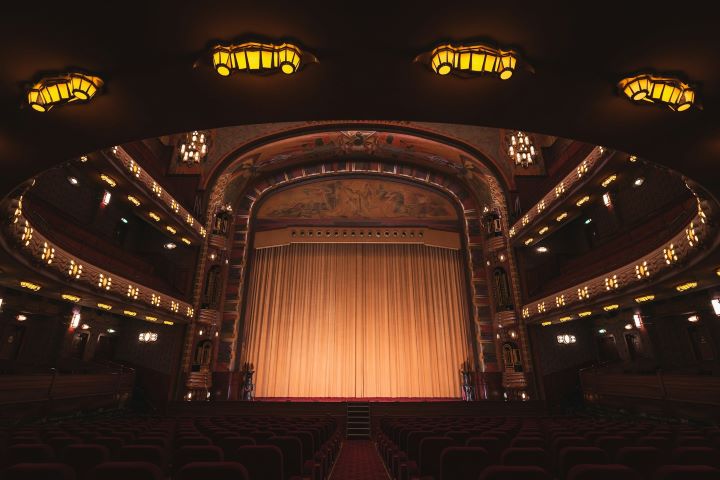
[[440, 144]]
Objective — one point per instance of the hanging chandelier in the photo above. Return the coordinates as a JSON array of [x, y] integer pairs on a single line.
[[193, 148], [520, 149]]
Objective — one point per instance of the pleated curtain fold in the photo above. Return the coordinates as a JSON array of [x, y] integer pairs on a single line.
[[356, 320]]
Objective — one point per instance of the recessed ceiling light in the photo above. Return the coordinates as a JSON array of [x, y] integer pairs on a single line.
[[73, 180], [541, 249], [588, 221], [639, 181], [124, 220], [170, 245]]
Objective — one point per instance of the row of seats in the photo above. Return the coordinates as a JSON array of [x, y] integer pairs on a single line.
[[581, 448], [274, 448]]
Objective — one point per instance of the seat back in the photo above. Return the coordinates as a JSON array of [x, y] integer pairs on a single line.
[[696, 456], [507, 472], [431, 449], [641, 459], [603, 472], [39, 471], [463, 463], [197, 453], [571, 456], [142, 453], [530, 456], [83, 457], [29, 453], [230, 444], [261, 461], [686, 472], [212, 470], [292, 454], [126, 471]]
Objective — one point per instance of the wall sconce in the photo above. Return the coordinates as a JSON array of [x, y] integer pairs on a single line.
[[566, 339], [637, 319], [257, 57], [628, 326], [715, 304], [470, 60], [75, 319], [147, 337], [677, 95], [61, 89], [694, 318]]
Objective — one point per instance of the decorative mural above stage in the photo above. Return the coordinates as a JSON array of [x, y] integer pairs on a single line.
[[356, 199]]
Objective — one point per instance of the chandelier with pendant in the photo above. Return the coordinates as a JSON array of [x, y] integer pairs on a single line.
[[521, 149], [193, 148]]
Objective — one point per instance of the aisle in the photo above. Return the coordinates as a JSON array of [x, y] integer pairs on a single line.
[[359, 460]]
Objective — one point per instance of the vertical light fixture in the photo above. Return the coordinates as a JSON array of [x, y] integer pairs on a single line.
[[193, 148], [521, 149]]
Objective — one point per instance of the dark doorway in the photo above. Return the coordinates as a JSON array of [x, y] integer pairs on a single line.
[[607, 349], [105, 348], [11, 342], [79, 343], [702, 348], [633, 346]]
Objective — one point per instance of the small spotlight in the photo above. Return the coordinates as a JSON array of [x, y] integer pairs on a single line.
[[693, 318], [21, 318], [124, 220], [110, 330], [588, 221], [169, 246], [73, 180], [628, 326], [541, 249], [639, 181], [602, 331], [85, 326]]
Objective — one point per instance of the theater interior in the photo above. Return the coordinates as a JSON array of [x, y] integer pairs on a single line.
[[474, 240]]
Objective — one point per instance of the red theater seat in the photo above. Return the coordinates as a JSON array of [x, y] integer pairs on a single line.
[[686, 472], [463, 463], [431, 449], [644, 460], [83, 457], [503, 472], [231, 444], [531, 456], [212, 471], [126, 471], [603, 472], [612, 443], [572, 456], [30, 453], [292, 454], [197, 453], [696, 456], [143, 453], [39, 471], [261, 461]]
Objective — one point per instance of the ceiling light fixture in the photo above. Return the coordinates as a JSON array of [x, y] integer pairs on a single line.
[[154, 216], [259, 58], [546, 324], [602, 331], [471, 59], [639, 181], [171, 229], [693, 318], [133, 200], [186, 241], [62, 89], [561, 217], [543, 230], [72, 180], [107, 196], [124, 220], [70, 298], [715, 302], [528, 241], [585, 314], [686, 286], [169, 246], [104, 306], [541, 249], [608, 308], [645, 298], [609, 180], [193, 148], [109, 180], [637, 319], [674, 93], [521, 149], [30, 286], [583, 200], [588, 221], [628, 326], [21, 318]]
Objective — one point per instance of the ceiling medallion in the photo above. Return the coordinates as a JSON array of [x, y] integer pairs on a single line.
[[62, 89], [255, 57], [676, 94]]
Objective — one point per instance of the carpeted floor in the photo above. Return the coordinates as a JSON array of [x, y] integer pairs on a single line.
[[359, 460]]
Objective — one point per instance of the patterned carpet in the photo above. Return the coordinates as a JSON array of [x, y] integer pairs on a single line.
[[359, 460]]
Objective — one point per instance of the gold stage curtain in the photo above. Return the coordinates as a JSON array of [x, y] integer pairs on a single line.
[[356, 320]]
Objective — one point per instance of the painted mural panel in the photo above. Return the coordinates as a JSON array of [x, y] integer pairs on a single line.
[[357, 198]]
